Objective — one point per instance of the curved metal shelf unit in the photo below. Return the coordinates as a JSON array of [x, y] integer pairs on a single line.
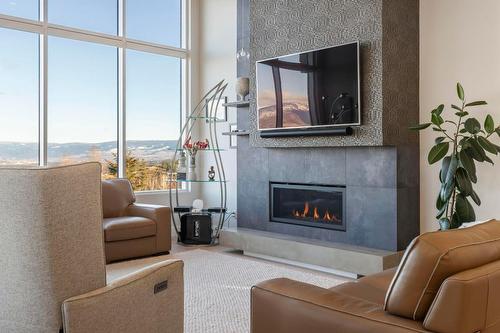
[[210, 102]]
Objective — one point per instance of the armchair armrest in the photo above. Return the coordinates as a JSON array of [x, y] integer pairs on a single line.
[[159, 214], [150, 300]]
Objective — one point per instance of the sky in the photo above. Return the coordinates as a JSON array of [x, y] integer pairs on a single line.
[[82, 77], [293, 84]]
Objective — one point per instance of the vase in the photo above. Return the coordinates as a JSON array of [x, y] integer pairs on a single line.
[[242, 87], [192, 169]]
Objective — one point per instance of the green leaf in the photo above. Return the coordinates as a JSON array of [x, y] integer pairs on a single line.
[[440, 203], [468, 164], [420, 126], [472, 126], [448, 175], [464, 209], [436, 119], [439, 110], [462, 114], [463, 130], [488, 146], [463, 182], [460, 92], [438, 129], [475, 198], [456, 107], [444, 168], [489, 124], [452, 169], [444, 224], [455, 221], [447, 190], [476, 103], [475, 151], [439, 139], [438, 152]]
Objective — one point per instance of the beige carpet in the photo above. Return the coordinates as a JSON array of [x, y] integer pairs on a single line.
[[217, 286]]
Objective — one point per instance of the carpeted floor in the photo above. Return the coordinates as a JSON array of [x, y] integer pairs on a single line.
[[217, 286]]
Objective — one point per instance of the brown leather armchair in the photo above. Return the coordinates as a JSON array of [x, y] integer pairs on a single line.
[[447, 282], [132, 230]]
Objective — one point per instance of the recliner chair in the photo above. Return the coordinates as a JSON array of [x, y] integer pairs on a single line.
[[132, 230], [447, 282], [52, 265]]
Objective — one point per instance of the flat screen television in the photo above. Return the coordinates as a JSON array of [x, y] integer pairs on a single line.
[[314, 89]]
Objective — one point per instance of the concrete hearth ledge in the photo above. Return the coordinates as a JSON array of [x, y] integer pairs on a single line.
[[331, 256]]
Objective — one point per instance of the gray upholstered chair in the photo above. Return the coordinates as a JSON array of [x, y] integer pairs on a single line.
[[52, 265]]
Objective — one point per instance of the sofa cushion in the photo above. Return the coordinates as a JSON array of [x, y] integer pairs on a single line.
[[433, 257], [117, 195], [371, 288], [128, 227]]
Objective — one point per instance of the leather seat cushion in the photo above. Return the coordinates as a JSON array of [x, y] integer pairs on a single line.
[[128, 227], [371, 288], [433, 257]]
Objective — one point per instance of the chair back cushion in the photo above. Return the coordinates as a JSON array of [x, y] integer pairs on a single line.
[[51, 243], [433, 257], [117, 195]]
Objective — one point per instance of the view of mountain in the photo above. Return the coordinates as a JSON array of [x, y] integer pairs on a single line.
[[294, 115], [22, 153]]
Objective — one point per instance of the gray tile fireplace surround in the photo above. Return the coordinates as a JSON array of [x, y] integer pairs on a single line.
[[381, 212]]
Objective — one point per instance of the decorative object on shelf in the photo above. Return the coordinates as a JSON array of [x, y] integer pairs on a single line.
[[182, 170], [468, 141], [220, 114], [192, 148], [211, 173], [233, 143], [214, 218], [242, 87]]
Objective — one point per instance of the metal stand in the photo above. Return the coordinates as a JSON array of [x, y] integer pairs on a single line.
[[210, 101]]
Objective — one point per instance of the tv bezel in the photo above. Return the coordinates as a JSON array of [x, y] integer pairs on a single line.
[[358, 123]]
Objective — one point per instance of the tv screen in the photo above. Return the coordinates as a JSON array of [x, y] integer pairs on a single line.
[[311, 89]]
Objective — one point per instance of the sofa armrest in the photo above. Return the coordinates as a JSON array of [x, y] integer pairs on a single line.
[[150, 300], [283, 305], [159, 214]]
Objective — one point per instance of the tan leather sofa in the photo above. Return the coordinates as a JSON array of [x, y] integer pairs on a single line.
[[52, 262], [447, 282], [132, 230]]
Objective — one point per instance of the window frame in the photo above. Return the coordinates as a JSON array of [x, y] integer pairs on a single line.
[[45, 29]]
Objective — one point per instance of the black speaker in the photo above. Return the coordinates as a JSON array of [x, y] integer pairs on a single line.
[[196, 228]]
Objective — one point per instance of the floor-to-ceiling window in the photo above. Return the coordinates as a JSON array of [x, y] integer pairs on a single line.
[[93, 80]]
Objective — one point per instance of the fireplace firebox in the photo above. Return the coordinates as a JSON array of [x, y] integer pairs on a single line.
[[318, 206]]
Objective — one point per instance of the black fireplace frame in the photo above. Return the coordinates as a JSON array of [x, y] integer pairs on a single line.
[[312, 187]]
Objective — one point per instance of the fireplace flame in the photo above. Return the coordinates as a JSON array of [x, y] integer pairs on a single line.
[[316, 214], [327, 216]]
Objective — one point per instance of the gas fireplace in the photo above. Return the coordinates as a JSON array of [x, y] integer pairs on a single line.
[[317, 206]]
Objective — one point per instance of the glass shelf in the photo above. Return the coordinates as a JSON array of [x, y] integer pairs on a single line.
[[208, 149], [208, 118], [199, 181]]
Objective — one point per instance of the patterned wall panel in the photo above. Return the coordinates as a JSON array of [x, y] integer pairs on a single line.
[[288, 26]]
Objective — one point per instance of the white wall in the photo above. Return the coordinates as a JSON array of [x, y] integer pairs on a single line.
[[459, 42], [217, 54]]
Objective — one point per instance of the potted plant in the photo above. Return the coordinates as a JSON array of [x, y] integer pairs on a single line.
[[461, 143]]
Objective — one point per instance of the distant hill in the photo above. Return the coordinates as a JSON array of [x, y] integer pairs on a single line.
[[150, 150], [294, 115]]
